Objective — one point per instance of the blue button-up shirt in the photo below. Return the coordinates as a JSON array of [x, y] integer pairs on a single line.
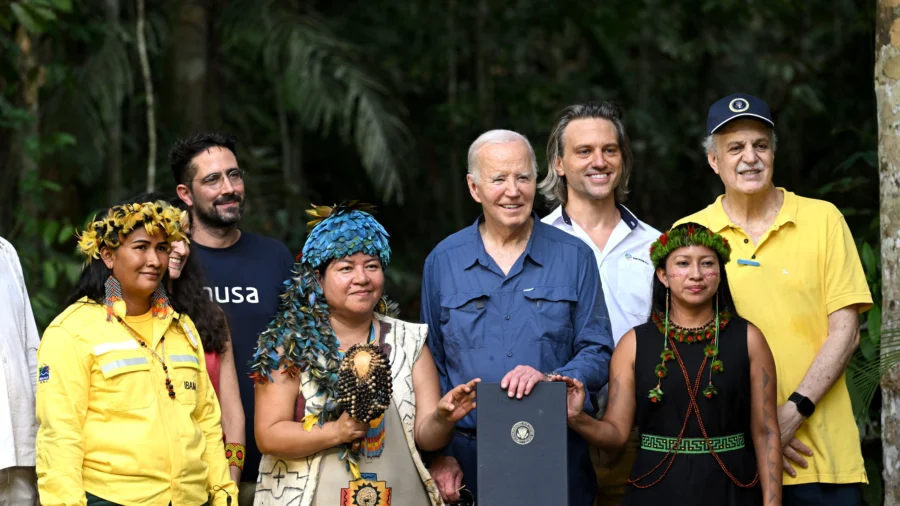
[[548, 312]]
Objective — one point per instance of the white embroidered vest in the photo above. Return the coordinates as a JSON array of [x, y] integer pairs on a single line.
[[292, 482]]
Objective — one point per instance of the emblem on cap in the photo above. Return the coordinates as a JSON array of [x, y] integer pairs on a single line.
[[522, 433], [739, 105]]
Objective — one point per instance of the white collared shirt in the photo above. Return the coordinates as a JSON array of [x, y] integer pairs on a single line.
[[18, 364], [626, 272]]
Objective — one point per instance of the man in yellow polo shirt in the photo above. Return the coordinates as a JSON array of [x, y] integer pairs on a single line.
[[795, 273]]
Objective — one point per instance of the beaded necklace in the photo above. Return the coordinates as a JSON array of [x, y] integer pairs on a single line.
[[373, 444], [160, 359]]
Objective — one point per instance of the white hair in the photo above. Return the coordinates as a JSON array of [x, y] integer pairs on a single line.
[[497, 137], [709, 143]]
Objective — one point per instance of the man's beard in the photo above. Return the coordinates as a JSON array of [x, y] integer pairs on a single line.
[[214, 218]]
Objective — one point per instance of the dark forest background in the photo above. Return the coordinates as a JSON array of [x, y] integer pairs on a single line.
[[379, 101]]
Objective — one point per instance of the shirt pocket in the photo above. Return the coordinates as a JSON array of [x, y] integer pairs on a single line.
[[185, 375], [634, 285], [550, 310], [464, 319], [126, 381]]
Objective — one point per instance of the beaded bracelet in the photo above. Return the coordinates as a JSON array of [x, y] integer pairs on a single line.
[[234, 452]]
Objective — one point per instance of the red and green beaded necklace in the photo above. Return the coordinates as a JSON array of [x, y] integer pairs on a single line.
[[672, 332]]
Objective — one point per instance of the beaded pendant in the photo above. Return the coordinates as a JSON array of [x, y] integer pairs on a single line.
[[364, 382]]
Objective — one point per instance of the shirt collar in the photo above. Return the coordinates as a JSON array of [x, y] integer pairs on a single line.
[[627, 216], [479, 254], [718, 220]]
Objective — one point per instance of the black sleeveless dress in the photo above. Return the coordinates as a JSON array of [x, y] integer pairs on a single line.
[[695, 477]]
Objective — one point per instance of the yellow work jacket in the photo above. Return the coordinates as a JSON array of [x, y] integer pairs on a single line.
[[107, 424]]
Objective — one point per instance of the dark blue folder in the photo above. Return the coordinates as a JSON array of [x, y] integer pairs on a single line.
[[522, 450]]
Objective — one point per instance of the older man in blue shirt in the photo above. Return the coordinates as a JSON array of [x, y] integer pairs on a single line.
[[510, 299]]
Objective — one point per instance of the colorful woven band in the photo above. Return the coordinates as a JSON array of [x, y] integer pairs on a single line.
[[695, 445], [234, 452]]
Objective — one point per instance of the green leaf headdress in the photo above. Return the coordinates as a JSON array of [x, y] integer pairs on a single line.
[[688, 235]]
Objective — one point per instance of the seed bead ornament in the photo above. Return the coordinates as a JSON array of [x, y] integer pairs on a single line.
[[364, 382]]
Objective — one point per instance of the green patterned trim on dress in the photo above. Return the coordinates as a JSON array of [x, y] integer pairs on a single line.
[[692, 445]]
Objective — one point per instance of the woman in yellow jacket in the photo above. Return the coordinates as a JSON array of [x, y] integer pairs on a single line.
[[126, 410]]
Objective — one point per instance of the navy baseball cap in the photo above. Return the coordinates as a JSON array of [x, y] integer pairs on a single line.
[[737, 106]]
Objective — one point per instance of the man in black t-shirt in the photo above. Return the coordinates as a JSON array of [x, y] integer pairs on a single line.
[[243, 272]]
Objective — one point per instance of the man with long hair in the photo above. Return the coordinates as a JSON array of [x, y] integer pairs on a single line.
[[589, 163]]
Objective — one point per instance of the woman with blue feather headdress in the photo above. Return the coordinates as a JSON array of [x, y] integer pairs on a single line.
[[346, 393]]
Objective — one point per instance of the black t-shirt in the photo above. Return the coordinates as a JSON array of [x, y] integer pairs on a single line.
[[246, 280]]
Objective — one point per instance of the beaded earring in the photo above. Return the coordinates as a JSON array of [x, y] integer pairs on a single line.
[[159, 303], [113, 294]]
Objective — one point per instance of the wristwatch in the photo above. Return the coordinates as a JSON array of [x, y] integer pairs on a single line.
[[804, 405]]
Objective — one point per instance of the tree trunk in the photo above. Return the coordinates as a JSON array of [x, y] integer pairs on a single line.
[[148, 86], [887, 91], [31, 76], [191, 58], [115, 187]]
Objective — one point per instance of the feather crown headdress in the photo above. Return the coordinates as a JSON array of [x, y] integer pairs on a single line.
[[123, 219], [343, 230], [688, 234]]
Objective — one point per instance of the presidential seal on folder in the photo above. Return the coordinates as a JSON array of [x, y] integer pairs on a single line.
[[522, 442]]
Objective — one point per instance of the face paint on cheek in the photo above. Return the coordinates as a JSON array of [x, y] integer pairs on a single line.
[[677, 275], [711, 275]]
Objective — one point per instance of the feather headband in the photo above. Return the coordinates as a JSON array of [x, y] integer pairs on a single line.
[[123, 219]]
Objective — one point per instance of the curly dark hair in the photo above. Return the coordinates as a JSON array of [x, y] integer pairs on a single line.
[[658, 299], [182, 154], [185, 293]]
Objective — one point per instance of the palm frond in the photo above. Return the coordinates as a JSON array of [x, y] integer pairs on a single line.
[[323, 82], [864, 375]]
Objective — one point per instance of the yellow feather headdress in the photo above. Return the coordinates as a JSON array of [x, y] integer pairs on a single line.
[[122, 220]]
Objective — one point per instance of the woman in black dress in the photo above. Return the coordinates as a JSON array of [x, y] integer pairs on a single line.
[[698, 381]]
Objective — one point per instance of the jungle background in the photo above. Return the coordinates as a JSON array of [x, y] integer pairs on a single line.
[[379, 101]]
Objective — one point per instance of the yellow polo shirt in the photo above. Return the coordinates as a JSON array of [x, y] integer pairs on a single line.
[[804, 268]]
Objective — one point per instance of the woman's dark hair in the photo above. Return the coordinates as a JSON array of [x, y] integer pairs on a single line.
[[188, 298], [91, 283], [186, 295], [658, 299]]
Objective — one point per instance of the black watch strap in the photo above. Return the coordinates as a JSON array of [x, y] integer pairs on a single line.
[[804, 405]]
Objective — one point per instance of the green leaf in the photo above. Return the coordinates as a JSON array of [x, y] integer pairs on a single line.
[[62, 5], [873, 320], [50, 277], [868, 349], [65, 233], [73, 272], [26, 18], [51, 229], [51, 185], [870, 263]]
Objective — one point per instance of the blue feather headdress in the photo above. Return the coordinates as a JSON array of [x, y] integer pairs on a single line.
[[302, 326]]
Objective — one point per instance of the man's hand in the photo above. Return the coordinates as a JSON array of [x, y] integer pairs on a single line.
[[521, 380], [448, 476], [789, 420]]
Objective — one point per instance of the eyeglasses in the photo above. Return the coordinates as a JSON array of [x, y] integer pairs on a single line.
[[215, 180]]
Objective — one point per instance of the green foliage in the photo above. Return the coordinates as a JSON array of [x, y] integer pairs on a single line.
[[379, 101]]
